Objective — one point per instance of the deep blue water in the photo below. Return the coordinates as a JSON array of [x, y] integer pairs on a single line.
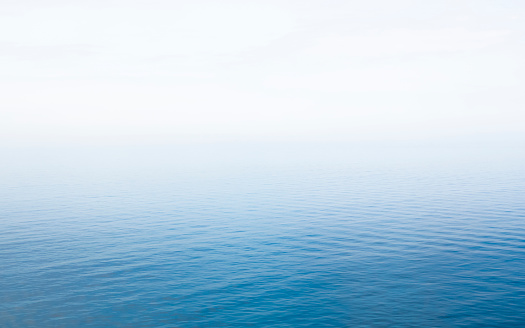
[[262, 236]]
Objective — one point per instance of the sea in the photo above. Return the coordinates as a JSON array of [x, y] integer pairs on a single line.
[[262, 234]]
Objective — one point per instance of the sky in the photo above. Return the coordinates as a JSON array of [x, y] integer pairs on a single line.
[[157, 70]]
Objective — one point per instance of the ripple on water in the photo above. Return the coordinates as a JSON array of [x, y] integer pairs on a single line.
[[335, 245]]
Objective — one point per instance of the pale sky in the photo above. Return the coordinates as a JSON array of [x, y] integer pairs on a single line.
[[266, 70]]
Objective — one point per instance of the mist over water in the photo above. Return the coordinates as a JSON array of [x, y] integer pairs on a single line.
[[262, 235], [262, 163]]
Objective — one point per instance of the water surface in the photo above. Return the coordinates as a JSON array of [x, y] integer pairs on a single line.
[[262, 236]]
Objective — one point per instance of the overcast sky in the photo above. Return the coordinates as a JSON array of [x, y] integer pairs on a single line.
[[294, 70]]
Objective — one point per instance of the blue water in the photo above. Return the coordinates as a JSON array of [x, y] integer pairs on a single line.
[[262, 236]]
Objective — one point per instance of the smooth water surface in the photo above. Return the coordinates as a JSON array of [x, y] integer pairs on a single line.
[[205, 236]]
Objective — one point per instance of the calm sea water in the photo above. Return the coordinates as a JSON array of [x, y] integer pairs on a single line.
[[262, 236]]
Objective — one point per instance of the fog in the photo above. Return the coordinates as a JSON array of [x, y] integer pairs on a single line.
[[171, 71]]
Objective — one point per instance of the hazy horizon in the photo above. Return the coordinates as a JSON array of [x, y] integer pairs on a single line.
[[273, 164]]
